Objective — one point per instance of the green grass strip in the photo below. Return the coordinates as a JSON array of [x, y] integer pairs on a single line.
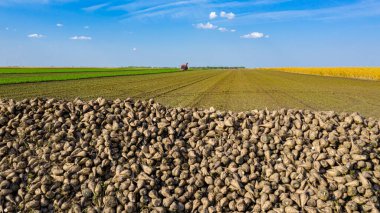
[[11, 70], [6, 79]]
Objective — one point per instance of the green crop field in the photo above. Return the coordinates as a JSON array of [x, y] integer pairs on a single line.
[[236, 90], [34, 70], [24, 75]]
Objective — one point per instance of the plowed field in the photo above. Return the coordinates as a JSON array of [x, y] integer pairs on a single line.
[[235, 90]]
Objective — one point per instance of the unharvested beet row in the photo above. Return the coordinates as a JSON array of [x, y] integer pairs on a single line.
[[140, 156]]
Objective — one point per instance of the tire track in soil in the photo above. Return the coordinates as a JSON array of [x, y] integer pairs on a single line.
[[301, 84], [200, 96], [165, 76], [220, 93], [227, 104], [171, 88], [251, 90], [258, 85], [64, 89], [247, 88], [293, 98], [181, 87], [56, 85], [150, 79], [142, 91], [309, 80]]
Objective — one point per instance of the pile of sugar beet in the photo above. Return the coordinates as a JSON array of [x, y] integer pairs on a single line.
[[140, 156]]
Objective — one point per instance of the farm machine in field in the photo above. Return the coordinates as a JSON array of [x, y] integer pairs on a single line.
[[185, 67]]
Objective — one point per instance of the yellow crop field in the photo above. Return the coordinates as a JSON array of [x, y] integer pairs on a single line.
[[369, 73]]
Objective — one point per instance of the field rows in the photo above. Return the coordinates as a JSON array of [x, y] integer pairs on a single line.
[[28, 75], [34, 70], [223, 89]]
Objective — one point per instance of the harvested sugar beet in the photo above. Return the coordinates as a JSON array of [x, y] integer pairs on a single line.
[[140, 156]]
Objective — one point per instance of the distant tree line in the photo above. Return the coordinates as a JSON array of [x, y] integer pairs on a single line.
[[205, 68], [208, 68]]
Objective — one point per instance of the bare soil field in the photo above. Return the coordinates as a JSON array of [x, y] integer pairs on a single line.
[[236, 90]]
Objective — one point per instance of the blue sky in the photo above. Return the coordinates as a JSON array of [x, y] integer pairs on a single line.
[[256, 33]]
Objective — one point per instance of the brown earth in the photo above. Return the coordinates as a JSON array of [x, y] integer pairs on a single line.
[[236, 90]]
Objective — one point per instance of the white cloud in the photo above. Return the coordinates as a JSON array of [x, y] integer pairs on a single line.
[[213, 15], [7, 28], [227, 15], [231, 4], [134, 49], [59, 25], [95, 7], [255, 35], [207, 26], [222, 29], [8, 3], [80, 38], [364, 8], [148, 9], [35, 35]]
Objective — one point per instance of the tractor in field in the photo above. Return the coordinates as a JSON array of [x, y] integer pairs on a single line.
[[185, 67]]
